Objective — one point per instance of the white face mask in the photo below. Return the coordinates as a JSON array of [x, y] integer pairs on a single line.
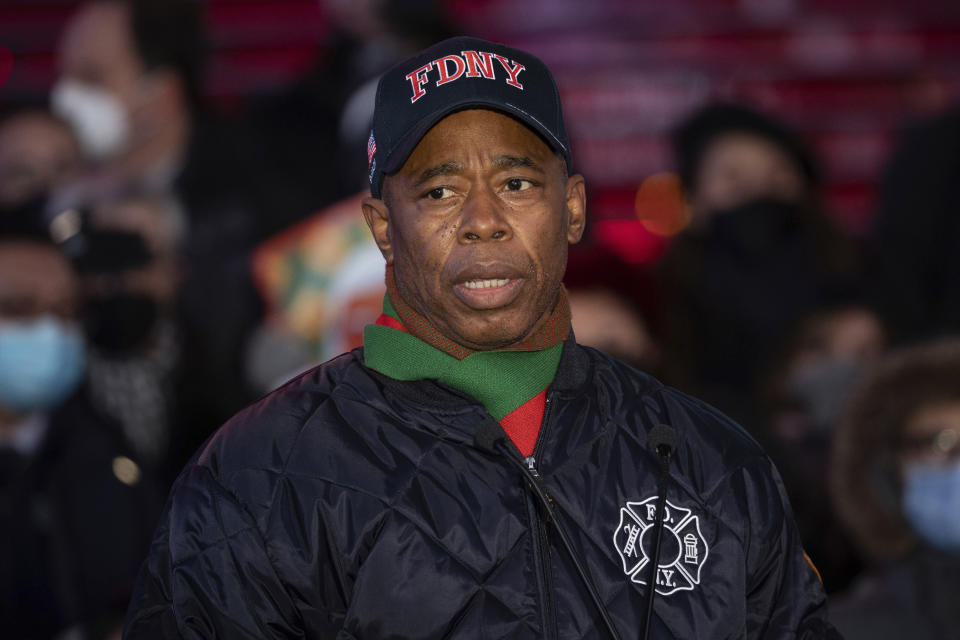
[[99, 120]]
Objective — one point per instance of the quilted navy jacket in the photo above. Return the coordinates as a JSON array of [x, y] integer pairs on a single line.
[[350, 505]]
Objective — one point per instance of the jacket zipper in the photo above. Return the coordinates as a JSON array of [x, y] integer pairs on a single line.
[[541, 543], [541, 560]]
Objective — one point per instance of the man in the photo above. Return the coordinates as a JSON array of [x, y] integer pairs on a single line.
[[75, 509], [127, 256], [472, 471], [38, 151]]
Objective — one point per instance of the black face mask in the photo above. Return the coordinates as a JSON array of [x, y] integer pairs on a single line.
[[756, 228], [121, 323], [25, 218]]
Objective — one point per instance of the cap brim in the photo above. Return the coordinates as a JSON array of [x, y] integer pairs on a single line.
[[409, 142]]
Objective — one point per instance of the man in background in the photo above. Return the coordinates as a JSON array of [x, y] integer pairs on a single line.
[[76, 509], [38, 152], [127, 253]]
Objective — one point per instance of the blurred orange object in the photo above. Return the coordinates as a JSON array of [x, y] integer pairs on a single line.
[[660, 205], [322, 280]]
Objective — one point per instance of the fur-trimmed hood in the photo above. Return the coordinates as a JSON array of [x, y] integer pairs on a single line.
[[865, 477]]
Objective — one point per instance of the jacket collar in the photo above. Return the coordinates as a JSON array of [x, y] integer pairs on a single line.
[[463, 413]]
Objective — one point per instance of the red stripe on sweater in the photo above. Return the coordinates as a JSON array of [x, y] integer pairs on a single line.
[[523, 423], [389, 321]]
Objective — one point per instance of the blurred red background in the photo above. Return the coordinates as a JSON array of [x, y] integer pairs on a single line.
[[847, 74]]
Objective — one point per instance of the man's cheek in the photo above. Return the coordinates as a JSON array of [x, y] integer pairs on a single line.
[[445, 235]]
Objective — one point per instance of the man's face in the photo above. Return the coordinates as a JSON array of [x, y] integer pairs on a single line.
[[158, 278], [36, 153], [476, 224], [35, 280]]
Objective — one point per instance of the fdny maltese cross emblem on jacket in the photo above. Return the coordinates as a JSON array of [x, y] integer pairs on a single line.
[[683, 549]]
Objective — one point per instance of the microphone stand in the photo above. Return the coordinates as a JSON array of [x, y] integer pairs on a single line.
[[663, 444]]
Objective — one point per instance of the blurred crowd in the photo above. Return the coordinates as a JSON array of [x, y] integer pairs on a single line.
[[161, 266]]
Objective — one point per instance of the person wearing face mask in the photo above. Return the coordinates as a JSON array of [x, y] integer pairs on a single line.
[[131, 85], [75, 507], [131, 94], [801, 404], [126, 251], [896, 484], [759, 253]]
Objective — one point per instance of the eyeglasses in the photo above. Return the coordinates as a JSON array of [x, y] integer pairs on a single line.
[[944, 444]]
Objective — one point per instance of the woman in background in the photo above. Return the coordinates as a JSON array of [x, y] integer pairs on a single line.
[[896, 482]]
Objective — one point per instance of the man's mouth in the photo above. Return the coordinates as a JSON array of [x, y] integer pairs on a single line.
[[486, 284], [488, 293]]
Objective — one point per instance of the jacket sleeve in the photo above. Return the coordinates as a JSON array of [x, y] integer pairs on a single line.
[[785, 597], [208, 573]]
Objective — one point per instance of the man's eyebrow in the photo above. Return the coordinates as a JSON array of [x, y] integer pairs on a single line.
[[453, 168], [445, 169], [510, 162]]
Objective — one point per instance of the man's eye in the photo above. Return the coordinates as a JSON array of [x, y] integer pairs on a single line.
[[439, 193], [518, 184]]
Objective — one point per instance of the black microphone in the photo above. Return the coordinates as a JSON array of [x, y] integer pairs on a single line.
[[663, 440], [491, 437]]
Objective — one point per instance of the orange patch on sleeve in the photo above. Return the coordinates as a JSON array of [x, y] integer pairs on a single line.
[[813, 566]]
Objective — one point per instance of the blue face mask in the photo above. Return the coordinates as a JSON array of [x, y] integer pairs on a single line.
[[41, 363], [931, 503]]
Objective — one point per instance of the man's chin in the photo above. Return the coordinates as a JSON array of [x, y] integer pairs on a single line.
[[493, 335], [491, 345]]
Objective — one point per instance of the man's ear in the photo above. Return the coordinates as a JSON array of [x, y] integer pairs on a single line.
[[377, 215], [576, 208]]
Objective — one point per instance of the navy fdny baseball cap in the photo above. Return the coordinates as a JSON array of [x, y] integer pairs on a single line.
[[457, 74]]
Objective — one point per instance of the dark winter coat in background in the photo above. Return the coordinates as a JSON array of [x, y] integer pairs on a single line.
[[75, 520], [914, 597]]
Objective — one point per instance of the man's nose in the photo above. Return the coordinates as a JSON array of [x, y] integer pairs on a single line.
[[482, 218]]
